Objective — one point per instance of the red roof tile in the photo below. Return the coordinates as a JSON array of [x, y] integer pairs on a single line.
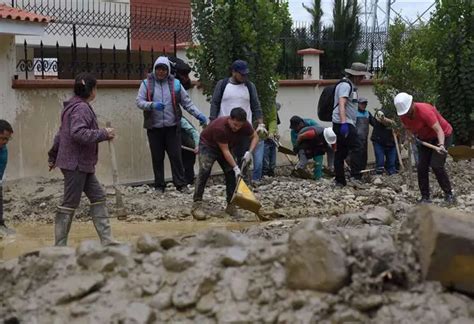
[[7, 12]]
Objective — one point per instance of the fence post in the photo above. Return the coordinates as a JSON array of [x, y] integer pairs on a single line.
[[42, 60], [140, 61], [175, 44], [57, 59], [114, 55], [152, 59], [128, 54], [25, 45], [87, 57], [101, 62]]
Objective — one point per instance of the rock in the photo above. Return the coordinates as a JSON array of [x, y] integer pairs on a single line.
[[314, 260], [218, 238], [147, 244], [446, 246], [64, 290], [178, 260], [234, 256], [193, 285], [377, 181], [206, 304], [138, 313], [162, 300], [53, 253], [379, 216], [239, 286], [168, 243], [367, 303]]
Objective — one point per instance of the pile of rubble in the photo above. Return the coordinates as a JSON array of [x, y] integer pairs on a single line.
[[373, 266], [34, 200]]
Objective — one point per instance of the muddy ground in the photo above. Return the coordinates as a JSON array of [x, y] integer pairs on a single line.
[[241, 275]]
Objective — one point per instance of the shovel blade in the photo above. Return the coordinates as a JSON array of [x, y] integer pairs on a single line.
[[244, 198], [285, 150], [461, 152]]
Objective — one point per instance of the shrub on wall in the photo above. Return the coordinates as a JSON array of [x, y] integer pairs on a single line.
[[226, 30]]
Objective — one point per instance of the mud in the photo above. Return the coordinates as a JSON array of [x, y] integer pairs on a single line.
[[35, 200], [217, 271]]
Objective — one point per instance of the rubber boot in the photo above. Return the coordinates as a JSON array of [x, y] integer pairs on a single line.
[[100, 218], [62, 225]]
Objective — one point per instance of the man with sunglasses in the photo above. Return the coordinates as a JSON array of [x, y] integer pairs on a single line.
[[6, 132]]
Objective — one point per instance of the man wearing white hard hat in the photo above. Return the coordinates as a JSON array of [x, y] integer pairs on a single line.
[[427, 124], [344, 117]]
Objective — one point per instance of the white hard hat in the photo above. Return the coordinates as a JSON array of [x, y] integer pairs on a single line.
[[329, 135], [402, 102]]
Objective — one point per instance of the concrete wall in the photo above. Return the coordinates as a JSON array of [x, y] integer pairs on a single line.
[[34, 114]]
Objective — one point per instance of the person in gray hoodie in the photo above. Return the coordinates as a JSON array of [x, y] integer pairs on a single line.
[[161, 97], [75, 151]]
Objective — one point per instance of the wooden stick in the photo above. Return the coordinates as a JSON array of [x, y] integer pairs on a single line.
[[113, 157], [187, 148], [402, 167]]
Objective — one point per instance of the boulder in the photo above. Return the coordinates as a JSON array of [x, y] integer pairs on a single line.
[[446, 246], [148, 244], [315, 260]]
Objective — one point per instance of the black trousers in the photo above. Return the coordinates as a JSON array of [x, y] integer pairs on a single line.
[[345, 144], [161, 140], [77, 182], [189, 159], [207, 157], [427, 158]]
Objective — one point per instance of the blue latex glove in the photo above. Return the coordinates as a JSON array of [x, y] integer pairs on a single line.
[[345, 129], [159, 106], [202, 119]]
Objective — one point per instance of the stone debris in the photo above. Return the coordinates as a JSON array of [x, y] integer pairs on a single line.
[[322, 272]]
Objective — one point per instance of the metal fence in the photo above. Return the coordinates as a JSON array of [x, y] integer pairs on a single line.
[[95, 18], [371, 42], [66, 62]]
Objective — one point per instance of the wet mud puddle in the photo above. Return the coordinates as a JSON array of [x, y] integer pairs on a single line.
[[31, 236]]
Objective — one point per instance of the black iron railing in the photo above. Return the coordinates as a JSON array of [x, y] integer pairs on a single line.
[[65, 62]]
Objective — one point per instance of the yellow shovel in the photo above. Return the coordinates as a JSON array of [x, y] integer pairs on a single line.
[[244, 198]]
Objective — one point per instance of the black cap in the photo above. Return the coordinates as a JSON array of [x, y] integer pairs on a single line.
[[295, 121]]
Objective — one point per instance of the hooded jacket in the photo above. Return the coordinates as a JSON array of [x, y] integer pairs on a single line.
[[163, 92], [76, 143]]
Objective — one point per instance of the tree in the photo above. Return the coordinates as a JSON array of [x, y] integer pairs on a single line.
[[341, 40], [409, 66], [316, 13], [453, 28], [226, 30]]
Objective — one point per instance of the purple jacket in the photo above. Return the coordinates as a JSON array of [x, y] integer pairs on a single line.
[[76, 143]]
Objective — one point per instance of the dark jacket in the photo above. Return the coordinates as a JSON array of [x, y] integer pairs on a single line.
[[76, 143], [382, 134], [219, 92], [3, 160]]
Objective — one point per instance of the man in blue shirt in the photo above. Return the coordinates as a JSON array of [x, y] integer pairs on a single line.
[[6, 132]]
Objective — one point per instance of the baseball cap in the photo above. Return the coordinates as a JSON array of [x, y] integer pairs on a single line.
[[240, 66]]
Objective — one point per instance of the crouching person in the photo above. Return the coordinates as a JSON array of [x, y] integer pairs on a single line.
[[312, 142], [75, 152], [215, 144]]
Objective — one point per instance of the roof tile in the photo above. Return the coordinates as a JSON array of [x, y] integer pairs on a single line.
[[7, 12]]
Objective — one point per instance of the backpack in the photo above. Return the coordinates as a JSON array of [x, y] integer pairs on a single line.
[[326, 101]]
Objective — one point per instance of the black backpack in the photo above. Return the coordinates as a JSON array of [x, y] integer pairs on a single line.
[[326, 101]]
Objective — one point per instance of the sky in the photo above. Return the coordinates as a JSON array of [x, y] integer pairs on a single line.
[[408, 9]]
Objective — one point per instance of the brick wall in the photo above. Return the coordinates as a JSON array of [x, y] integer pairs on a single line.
[[155, 21]]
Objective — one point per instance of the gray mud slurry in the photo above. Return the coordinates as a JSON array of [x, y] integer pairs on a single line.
[[32, 236]]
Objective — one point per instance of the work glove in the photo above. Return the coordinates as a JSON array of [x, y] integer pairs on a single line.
[[261, 130], [202, 119], [237, 171], [247, 157], [344, 129], [159, 106]]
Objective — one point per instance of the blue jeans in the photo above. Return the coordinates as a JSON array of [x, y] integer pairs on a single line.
[[258, 161], [269, 157], [385, 158]]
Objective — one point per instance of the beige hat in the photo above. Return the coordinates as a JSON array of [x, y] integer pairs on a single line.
[[358, 68]]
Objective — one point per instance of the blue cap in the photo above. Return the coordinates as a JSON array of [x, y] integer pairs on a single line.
[[240, 66]]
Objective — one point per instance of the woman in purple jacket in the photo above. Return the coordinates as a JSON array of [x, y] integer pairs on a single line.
[[75, 152]]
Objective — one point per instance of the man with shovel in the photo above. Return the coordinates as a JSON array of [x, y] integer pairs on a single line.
[[427, 124], [216, 142]]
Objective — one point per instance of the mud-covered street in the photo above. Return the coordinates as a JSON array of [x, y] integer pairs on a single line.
[[361, 254]]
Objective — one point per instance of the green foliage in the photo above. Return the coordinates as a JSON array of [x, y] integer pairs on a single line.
[[342, 38], [409, 66], [316, 13], [453, 27], [226, 30]]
